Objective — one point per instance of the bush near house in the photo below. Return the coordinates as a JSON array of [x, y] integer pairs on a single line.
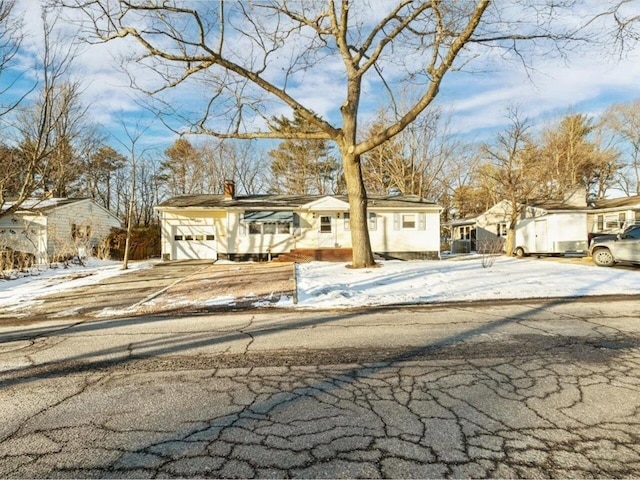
[[145, 243], [15, 260]]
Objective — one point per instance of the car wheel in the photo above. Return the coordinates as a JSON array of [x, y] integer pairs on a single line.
[[603, 258], [520, 253]]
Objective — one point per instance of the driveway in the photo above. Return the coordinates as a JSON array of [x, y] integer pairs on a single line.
[[166, 287]]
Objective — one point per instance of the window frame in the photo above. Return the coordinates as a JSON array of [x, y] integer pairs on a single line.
[[404, 225]]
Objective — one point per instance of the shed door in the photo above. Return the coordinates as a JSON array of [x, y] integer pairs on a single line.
[[541, 236], [194, 242]]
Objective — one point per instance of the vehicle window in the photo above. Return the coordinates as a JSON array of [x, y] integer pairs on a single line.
[[633, 233]]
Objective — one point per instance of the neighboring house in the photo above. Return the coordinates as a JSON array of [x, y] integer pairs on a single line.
[[56, 227], [614, 215], [482, 233], [264, 226], [543, 227]]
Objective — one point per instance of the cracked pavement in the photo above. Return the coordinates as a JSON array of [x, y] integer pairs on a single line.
[[537, 389]]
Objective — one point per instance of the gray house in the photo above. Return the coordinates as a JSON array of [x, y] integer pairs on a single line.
[[56, 227]]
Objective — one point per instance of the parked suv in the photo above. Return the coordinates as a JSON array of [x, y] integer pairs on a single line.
[[624, 247]]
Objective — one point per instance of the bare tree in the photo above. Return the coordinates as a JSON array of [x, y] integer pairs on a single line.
[[574, 154], [40, 126], [413, 161], [11, 37], [624, 120], [131, 145], [237, 160], [237, 51], [513, 170]]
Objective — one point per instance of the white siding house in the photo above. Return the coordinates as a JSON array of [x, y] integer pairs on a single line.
[[264, 226], [47, 228], [614, 215], [542, 227]]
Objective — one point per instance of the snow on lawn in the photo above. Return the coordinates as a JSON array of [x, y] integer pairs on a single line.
[[28, 288], [331, 285]]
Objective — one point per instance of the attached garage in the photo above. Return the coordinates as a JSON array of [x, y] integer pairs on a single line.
[[193, 242]]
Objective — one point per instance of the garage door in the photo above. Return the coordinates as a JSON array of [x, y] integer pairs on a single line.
[[193, 242]]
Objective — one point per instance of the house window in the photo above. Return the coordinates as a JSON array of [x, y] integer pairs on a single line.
[[325, 224], [373, 221], [178, 237], [501, 229], [600, 222], [637, 216], [211, 237], [622, 218], [347, 221], [464, 232], [269, 228], [614, 221], [80, 232], [408, 221]]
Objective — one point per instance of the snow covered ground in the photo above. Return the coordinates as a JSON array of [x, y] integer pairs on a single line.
[[30, 287], [331, 285], [327, 285]]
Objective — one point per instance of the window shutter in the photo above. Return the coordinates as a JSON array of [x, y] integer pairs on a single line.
[[422, 221], [242, 228], [396, 221], [296, 225]]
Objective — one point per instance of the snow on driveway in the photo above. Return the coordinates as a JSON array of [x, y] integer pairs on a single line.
[[27, 289]]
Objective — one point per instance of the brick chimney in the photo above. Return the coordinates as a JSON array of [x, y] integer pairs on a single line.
[[229, 189]]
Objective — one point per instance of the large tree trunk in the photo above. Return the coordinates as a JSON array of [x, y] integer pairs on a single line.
[[362, 254], [361, 244]]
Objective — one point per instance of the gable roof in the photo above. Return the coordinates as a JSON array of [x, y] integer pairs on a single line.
[[45, 205], [274, 202], [556, 205], [618, 202], [41, 204]]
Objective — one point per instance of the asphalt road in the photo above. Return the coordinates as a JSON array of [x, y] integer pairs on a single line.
[[536, 389]]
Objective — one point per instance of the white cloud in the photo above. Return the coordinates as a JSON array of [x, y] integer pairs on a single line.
[[477, 102]]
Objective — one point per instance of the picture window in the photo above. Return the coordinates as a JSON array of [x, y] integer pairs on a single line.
[[408, 221]]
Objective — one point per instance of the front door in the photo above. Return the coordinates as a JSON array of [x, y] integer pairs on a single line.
[[326, 224]]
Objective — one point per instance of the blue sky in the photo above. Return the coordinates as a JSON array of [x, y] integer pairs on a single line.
[[589, 81]]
